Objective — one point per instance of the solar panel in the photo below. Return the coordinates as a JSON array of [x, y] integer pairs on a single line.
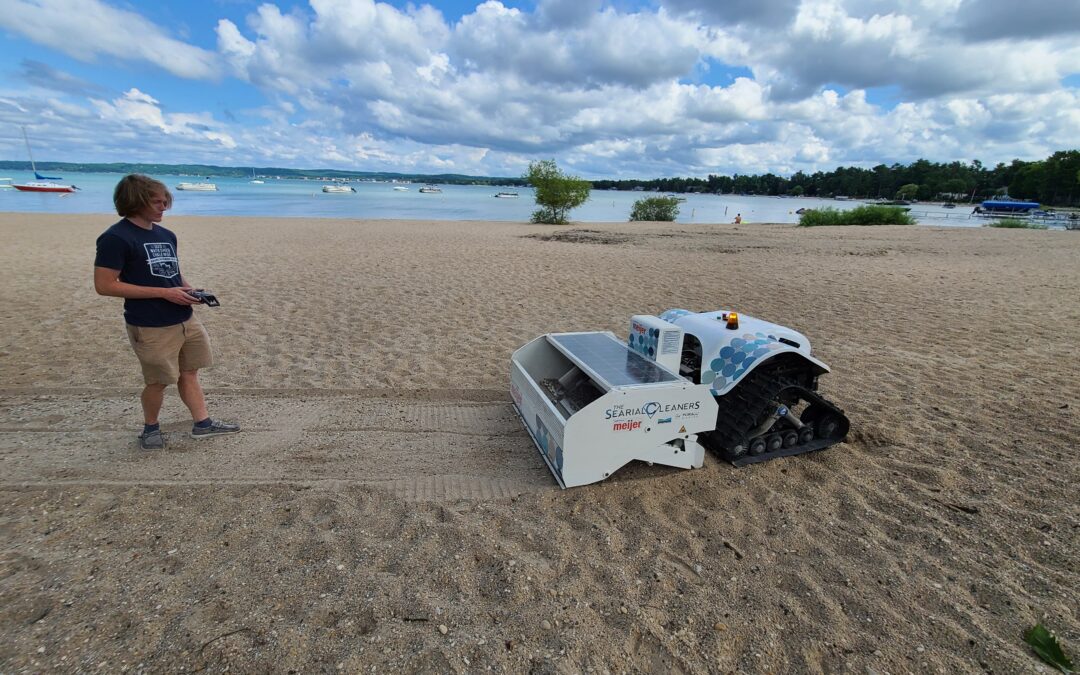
[[610, 360]]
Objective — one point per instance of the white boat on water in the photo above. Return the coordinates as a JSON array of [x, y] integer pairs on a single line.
[[401, 188], [506, 195], [338, 188], [5, 183], [430, 189], [43, 183], [197, 187], [44, 186]]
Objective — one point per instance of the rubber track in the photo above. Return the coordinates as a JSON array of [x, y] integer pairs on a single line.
[[742, 407]]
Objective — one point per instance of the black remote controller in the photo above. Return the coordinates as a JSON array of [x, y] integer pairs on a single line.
[[205, 298]]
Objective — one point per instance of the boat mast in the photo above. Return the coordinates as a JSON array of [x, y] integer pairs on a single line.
[[27, 139]]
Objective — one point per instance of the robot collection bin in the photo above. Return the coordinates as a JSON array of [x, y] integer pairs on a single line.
[[592, 404]]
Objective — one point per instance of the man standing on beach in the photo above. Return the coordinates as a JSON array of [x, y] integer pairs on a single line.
[[137, 260]]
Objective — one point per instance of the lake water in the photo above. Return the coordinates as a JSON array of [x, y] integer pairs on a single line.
[[299, 198]]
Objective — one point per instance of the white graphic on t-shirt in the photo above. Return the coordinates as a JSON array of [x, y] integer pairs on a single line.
[[161, 256]]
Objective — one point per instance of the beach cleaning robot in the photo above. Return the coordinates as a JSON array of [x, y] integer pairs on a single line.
[[744, 388]]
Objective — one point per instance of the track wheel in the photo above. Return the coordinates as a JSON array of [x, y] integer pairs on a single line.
[[732, 454], [827, 426], [806, 434], [791, 437], [757, 446], [774, 442]]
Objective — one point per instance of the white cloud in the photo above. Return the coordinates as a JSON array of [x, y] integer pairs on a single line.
[[634, 50], [142, 110], [86, 29]]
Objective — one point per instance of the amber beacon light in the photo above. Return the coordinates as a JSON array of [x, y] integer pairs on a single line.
[[732, 320]]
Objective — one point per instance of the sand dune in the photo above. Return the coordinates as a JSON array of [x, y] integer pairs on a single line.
[[383, 510]]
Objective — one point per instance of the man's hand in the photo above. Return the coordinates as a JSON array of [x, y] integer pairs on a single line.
[[107, 282], [178, 295]]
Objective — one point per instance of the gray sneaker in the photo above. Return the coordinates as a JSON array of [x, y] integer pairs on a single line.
[[153, 440], [216, 428]]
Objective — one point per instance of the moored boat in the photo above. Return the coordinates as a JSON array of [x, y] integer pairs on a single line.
[[43, 183], [506, 195], [197, 187], [430, 189], [338, 189], [1006, 205], [43, 186]]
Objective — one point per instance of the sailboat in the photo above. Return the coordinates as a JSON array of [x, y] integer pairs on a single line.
[[43, 183], [254, 178]]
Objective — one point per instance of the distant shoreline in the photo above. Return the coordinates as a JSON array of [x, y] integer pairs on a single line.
[[921, 180], [244, 196], [276, 173]]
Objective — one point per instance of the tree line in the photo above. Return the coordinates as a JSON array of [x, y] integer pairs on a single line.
[[1054, 181]]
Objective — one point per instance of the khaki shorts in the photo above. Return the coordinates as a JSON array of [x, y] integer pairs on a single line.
[[166, 351]]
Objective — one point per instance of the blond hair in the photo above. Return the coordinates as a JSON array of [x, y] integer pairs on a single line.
[[134, 193]]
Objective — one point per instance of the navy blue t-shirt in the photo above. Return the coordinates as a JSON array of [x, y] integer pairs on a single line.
[[144, 258]]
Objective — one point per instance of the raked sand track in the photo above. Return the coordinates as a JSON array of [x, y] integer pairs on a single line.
[[431, 446]]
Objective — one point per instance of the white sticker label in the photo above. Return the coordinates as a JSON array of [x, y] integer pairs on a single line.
[[670, 342]]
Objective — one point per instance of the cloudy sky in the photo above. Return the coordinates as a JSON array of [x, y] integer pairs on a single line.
[[609, 88]]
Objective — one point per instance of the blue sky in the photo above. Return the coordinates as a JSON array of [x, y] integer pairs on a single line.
[[624, 88]]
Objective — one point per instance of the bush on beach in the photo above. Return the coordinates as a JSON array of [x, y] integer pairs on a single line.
[[655, 208], [1017, 224], [861, 215]]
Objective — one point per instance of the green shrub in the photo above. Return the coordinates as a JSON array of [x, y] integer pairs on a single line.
[[655, 208], [556, 193], [860, 215], [1018, 224], [815, 217]]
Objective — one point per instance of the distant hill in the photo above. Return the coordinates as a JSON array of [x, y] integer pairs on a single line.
[[245, 171]]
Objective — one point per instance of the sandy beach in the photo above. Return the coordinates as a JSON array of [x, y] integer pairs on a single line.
[[384, 511]]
